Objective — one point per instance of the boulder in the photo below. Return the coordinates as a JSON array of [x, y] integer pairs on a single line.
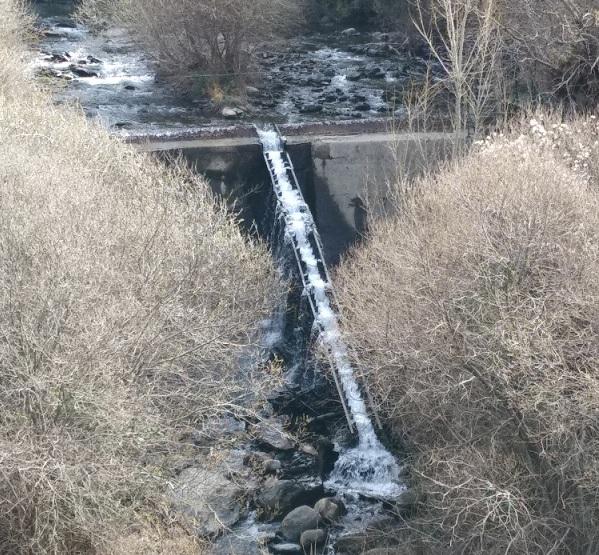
[[298, 521], [311, 539], [290, 548], [271, 466], [270, 432], [328, 510], [252, 91], [311, 108], [210, 500], [278, 497], [230, 113], [82, 72], [350, 32]]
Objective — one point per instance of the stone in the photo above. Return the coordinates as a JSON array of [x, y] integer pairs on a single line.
[[215, 430], [58, 58], [351, 31], [312, 538], [252, 91], [308, 449], [310, 108], [82, 72], [229, 113], [297, 521], [211, 501], [271, 466], [270, 431], [328, 510], [362, 107], [278, 497], [291, 548]]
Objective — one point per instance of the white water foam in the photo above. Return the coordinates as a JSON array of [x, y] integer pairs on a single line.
[[368, 468]]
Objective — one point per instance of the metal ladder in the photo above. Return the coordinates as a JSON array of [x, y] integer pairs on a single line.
[[316, 245]]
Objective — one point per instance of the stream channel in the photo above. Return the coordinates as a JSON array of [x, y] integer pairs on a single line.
[[325, 493]]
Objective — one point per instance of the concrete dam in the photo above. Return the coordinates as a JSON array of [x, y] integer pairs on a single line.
[[344, 168]]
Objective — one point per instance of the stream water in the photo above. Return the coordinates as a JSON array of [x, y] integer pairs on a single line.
[[367, 468], [323, 76]]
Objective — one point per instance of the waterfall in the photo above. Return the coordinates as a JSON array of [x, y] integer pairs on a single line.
[[368, 468]]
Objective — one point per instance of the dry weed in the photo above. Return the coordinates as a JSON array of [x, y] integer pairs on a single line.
[[128, 299], [475, 308]]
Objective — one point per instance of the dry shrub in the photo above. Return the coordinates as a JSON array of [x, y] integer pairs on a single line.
[[198, 42], [554, 47], [128, 299], [476, 310]]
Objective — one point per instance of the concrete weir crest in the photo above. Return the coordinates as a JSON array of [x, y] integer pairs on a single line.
[[344, 168]]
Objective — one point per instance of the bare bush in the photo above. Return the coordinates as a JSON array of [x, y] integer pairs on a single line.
[[554, 48], [475, 309], [463, 38], [128, 298], [200, 42]]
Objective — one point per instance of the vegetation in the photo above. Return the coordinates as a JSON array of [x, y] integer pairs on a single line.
[[127, 297], [202, 44], [475, 308]]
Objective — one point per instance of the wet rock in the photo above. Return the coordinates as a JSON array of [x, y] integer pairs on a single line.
[[58, 58], [82, 72], [93, 60], [311, 539], [350, 32], [231, 113], [291, 548], [270, 432], [271, 466], [375, 72], [328, 510], [278, 497], [252, 91], [354, 75], [129, 87], [210, 500], [327, 456], [52, 73], [298, 521], [308, 449], [362, 107]]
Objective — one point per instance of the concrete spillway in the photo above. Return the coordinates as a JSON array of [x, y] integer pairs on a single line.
[[343, 168]]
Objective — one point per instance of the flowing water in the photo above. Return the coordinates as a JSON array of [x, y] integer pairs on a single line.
[[368, 468], [320, 76]]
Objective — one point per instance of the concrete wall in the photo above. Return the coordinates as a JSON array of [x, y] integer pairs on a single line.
[[344, 178]]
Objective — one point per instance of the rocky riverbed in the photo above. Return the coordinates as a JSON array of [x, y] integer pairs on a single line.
[[335, 75]]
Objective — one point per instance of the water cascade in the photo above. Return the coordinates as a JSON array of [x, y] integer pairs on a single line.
[[367, 468]]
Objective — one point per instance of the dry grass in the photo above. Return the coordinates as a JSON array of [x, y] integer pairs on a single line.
[[475, 309], [128, 297]]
